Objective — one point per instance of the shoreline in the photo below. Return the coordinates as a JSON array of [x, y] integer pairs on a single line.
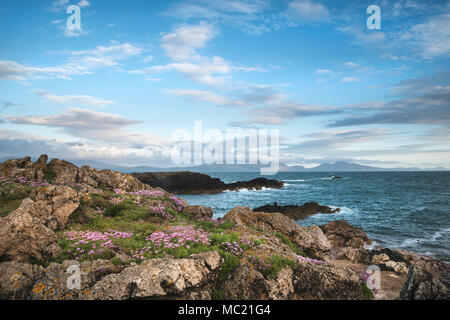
[[120, 230]]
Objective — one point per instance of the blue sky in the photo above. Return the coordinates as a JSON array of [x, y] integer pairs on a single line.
[[116, 90]]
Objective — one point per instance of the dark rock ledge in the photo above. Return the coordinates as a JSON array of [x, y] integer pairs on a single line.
[[187, 182]]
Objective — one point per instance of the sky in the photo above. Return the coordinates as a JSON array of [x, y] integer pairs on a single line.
[[117, 88]]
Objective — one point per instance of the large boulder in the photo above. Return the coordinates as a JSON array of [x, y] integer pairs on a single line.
[[247, 283], [160, 278], [28, 232], [297, 212], [198, 212], [311, 239], [422, 285], [341, 234], [323, 281]]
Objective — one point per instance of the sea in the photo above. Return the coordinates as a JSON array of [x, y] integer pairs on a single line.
[[403, 210]]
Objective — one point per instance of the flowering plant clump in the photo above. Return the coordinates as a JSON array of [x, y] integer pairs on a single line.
[[143, 193], [234, 247], [88, 244], [315, 261], [148, 193], [178, 236], [160, 210], [31, 183], [259, 263], [119, 191], [178, 202]]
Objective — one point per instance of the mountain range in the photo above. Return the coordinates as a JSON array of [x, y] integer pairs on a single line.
[[339, 166]]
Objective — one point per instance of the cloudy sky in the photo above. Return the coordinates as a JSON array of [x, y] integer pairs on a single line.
[[116, 90]]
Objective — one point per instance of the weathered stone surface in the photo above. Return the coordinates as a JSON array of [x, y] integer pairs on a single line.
[[28, 231], [53, 282], [297, 212], [17, 279], [246, 283], [311, 239], [198, 212], [421, 285], [326, 281], [341, 234], [24, 236], [428, 263], [64, 172], [351, 254], [159, 278]]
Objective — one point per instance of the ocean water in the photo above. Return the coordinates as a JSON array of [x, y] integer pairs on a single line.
[[405, 210]]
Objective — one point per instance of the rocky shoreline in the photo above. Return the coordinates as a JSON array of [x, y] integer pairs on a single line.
[[297, 212], [130, 240], [187, 182]]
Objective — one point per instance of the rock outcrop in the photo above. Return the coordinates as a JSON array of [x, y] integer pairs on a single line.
[[326, 281], [311, 239], [160, 278], [186, 182], [63, 172], [28, 232], [421, 285], [198, 212], [297, 212], [341, 234]]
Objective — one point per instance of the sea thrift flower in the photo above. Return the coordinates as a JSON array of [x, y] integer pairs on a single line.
[[311, 260], [178, 236], [160, 210], [178, 202]]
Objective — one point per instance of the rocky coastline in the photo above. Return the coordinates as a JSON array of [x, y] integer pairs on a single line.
[[133, 240], [297, 212], [186, 182]]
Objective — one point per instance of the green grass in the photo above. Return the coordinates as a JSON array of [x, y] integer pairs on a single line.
[[367, 292], [290, 244], [49, 175], [277, 263], [11, 196], [230, 263]]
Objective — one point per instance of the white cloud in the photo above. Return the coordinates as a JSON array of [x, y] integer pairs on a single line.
[[307, 11], [350, 79], [430, 38], [84, 3], [183, 45], [212, 71], [184, 42], [92, 125], [83, 100], [324, 71], [206, 96], [80, 63], [59, 5]]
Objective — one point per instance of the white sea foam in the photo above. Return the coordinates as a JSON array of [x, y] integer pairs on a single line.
[[435, 237]]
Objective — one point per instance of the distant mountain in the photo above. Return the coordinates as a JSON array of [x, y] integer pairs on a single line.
[[339, 166], [342, 166]]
